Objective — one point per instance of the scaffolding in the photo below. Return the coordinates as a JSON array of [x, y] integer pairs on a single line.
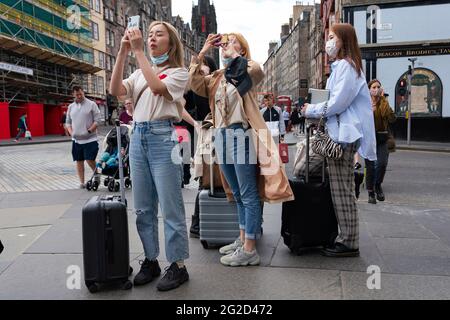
[[36, 35]]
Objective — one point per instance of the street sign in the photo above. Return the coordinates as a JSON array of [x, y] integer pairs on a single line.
[[16, 68]]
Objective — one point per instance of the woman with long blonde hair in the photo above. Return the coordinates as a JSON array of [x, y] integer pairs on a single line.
[[157, 88], [235, 111]]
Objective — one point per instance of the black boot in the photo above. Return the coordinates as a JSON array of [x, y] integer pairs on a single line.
[[379, 192], [195, 227], [372, 198]]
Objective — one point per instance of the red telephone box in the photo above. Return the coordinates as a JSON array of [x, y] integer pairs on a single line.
[[284, 101]]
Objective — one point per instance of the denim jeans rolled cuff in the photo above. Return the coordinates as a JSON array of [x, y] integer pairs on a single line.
[[157, 179], [241, 177]]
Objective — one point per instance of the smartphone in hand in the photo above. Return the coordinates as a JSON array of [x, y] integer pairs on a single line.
[[133, 22], [222, 41]]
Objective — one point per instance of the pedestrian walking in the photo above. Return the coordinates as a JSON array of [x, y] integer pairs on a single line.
[[157, 89], [273, 117], [22, 128], [295, 120], [232, 92], [286, 118], [383, 116], [349, 122], [82, 119]]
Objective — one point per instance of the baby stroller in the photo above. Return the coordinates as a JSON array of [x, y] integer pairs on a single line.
[[108, 164]]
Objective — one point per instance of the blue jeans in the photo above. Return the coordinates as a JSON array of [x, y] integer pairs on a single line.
[[237, 160], [156, 174]]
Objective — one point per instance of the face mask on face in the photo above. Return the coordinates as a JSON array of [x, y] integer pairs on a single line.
[[226, 61], [331, 48], [161, 59]]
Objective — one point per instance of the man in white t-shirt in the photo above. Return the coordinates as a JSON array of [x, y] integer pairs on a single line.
[[83, 116]]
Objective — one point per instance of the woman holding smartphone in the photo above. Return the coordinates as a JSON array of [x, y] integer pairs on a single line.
[[232, 95], [349, 121], [157, 88]]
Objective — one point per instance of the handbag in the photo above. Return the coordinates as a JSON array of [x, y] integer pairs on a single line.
[[323, 145], [315, 160], [28, 134], [382, 137]]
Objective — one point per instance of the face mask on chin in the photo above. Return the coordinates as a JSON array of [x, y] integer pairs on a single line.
[[161, 59]]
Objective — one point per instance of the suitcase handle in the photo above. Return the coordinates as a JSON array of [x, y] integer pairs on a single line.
[[109, 245], [211, 170], [121, 175]]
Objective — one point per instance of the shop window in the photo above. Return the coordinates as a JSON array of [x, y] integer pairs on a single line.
[[426, 95]]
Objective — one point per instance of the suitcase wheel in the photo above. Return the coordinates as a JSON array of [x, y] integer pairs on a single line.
[[204, 244], [127, 285], [92, 286]]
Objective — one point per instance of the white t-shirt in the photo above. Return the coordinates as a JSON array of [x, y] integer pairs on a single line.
[[151, 107]]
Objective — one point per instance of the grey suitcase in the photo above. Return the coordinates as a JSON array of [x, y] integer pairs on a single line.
[[219, 223]]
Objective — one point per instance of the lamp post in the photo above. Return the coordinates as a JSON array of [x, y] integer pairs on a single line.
[[410, 77]]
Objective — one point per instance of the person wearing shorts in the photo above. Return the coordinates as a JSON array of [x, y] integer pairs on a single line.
[[83, 116]]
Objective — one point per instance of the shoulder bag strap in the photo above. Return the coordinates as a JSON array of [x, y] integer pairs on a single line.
[[147, 87]]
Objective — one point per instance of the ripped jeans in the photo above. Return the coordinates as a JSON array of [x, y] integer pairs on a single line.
[[156, 172]]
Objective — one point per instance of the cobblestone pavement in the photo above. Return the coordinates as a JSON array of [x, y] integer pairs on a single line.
[[44, 167]]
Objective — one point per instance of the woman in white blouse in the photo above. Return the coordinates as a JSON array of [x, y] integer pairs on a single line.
[[157, 88], [349, 121]]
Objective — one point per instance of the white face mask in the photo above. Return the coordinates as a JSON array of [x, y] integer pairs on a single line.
[[331, 48]]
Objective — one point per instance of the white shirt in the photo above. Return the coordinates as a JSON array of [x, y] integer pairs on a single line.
[[151, 107], [350, 99]]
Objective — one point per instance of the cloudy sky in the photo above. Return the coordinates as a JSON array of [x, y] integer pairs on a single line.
[[258, 20]]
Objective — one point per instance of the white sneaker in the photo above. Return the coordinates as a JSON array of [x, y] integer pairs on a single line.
[[241, 258], [228, 249]]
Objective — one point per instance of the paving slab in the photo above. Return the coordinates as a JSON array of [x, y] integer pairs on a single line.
[[31, 216], [413, 247], [37, 199], [417, 265], [395, 287], [398, 230], [207, 282], [17, 240], [312, 259]]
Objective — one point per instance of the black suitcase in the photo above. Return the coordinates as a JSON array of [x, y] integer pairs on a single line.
[[106, 253], [309, 221]]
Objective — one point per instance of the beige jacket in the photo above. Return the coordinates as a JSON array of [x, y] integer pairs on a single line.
[[272, 180]]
